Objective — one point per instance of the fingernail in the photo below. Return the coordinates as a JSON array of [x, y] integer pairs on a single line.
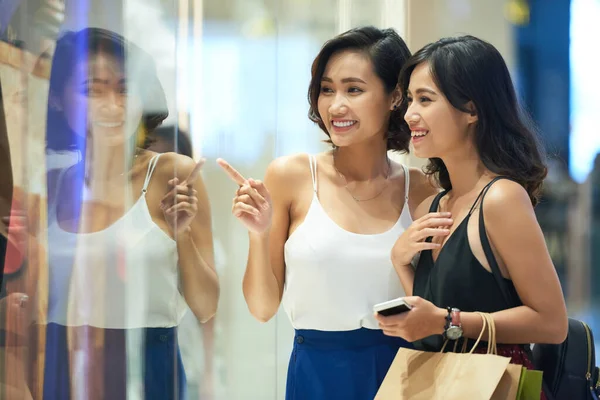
[[265, 207]]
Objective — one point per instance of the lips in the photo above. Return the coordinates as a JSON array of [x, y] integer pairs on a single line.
[[343, 123], [109, 124], [419, 133]]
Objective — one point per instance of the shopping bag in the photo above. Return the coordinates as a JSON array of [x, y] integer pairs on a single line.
[[419, 375], [530, 385]]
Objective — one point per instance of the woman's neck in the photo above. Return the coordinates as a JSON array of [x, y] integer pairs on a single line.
[[465, 172], [362, 163], [108, 164]]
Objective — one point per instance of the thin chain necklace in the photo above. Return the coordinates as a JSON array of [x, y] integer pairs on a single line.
[[350, 192]]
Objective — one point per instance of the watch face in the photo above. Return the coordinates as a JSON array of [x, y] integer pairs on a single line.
[[454, 332]]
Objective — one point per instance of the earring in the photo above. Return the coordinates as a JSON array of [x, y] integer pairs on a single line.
[[395, 107]]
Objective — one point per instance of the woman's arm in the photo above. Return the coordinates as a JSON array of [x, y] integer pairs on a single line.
[[265, 270], [198, 277], [518, 240]]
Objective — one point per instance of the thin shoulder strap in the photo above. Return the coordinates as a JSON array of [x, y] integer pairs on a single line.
[[435, 204], [313, 170], [406, 182], [487, 248], [151, 166]]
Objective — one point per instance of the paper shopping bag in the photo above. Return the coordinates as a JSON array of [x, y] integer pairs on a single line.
[[530, 386], [419, 375], [508, 387]]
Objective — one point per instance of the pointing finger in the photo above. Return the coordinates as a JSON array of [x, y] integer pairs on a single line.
[[232, 172]]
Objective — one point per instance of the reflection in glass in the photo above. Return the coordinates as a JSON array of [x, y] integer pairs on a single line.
[[129, 233]]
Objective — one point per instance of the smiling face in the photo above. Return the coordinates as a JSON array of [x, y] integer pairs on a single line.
[[353, 102], [96, 100], [437, 128]]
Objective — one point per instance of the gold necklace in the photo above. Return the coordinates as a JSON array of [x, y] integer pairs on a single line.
[[350, 192]]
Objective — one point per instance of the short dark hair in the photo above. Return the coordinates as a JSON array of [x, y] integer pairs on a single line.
[[467, 69], [73, 47], [388, 53]]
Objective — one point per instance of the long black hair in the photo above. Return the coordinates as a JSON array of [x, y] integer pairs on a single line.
[[467, 69], [388, 53]]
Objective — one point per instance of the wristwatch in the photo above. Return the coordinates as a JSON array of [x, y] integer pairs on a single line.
[[453, 329]]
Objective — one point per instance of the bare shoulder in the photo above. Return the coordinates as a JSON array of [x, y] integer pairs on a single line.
[[504, 198], [288, 170], [508, 211], [174, 164]]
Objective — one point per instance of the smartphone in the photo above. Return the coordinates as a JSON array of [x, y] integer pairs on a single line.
[[392, 307]]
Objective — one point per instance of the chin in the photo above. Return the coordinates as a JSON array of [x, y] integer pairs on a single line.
[[339, 142], [114, 141], [419, 153], [423, 152]]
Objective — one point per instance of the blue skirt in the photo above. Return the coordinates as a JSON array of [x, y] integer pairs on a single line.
[[345, 365], [164, 375]]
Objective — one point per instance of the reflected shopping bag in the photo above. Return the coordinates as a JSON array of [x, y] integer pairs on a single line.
[[419, 375]]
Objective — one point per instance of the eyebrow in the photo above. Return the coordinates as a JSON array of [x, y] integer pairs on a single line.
[[345, 80], [423, 90]]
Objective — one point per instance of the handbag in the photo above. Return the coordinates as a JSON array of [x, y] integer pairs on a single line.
[[570, 370], [420, 375]]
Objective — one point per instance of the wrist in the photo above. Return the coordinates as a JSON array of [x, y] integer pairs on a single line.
[[183, 235], [259, 236], [441, 316], [398, 263]]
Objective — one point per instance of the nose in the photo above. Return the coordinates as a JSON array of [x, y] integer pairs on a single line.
[[338, 105], [114, 101], [411, 116]]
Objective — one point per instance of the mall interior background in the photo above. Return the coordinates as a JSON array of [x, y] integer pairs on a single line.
[[236, 74]]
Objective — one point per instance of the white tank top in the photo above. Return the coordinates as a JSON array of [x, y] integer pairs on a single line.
[[334, 277], [125, 276]]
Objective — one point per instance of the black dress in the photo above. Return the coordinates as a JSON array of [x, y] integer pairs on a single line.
[[457, 279]]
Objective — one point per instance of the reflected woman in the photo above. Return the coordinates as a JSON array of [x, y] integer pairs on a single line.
[[322, 226], [129, 230]]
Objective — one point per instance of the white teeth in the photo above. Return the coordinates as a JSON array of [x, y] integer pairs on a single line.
[[109, 124], [343, 124], [419, 133]]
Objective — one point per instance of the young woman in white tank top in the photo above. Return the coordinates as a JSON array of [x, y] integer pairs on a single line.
[[322, 227], [129, 235]]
